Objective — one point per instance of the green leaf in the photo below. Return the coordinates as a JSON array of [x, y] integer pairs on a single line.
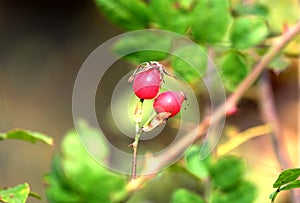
[[76, 177], [210, 20], [165, 12], [234, 69], [186, 4], [196, 166], [244, 192], [161, 188], [252, 9], [195, 66], [185, 196], [279, 64], [90, 136], [292, 185], [26, 135], [287, 176], [17, 194], [247, 32], [128, 14], [227, 172], [57, 191], [140, 47]]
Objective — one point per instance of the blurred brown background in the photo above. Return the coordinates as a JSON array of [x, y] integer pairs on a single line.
[[42, 46]]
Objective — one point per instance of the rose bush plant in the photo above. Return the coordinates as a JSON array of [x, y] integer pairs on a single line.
[[243, 38]]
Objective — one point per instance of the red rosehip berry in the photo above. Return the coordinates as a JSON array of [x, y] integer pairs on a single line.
[[146, 84], [169, 102], [147, 79]]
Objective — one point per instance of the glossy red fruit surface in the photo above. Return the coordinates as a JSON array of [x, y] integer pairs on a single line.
[[147, 83], [169, 102]]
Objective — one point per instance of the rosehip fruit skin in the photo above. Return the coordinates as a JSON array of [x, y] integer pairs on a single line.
[[169, 102], [146, 84]]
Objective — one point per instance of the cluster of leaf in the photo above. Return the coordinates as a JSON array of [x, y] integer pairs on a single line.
[[20, 193], [223, 178], [226, 176], [76, 177], [232, 29], [286, 180]]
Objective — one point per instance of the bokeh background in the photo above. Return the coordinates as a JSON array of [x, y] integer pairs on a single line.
[[42, 46]]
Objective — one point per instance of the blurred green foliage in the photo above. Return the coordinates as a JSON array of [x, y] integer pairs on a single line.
[[247, 32], [149, 42], [217, 24], [194, 166], [234, 68], [279, 64], [76, 177], [225, 176], [185, 196], [210, 20], [195, 67], [245, 192], [20, 193]]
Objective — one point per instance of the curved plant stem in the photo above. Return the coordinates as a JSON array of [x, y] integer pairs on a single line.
[[134, 146], [270, 116], [157, 162]]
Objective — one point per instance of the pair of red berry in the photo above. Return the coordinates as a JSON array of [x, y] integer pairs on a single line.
[[147, 80]]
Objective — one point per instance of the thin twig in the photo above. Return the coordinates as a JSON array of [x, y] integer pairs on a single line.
[[138, 116], [270, 115], [134, 146], [159, 161]]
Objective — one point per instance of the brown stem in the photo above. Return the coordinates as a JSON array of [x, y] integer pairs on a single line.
[[159, 161], [270, 115], [134, 146], [138, 115], [134, 162]]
